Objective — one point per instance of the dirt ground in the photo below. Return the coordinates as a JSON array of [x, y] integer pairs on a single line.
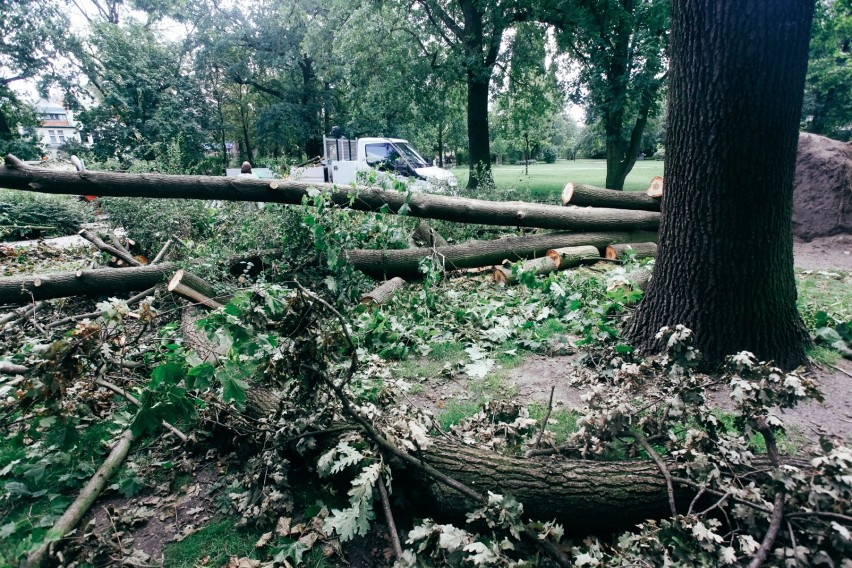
[[533, 379]]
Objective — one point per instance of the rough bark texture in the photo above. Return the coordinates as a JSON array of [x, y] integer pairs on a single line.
[[476, 254], [587, 495], [567, 257], [383, 292], [725, 265], [426, 236], [538, 266], [590, 196], [639, 250], [100, 281], [422, 205]]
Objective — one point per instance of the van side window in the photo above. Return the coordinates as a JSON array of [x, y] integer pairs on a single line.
[[377, 153]]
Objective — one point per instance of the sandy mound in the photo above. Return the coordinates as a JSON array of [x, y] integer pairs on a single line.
[[822, 198]]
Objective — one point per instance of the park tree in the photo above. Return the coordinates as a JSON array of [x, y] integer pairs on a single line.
[[146, 96], [34, 37], [828, 90], [473, 33], [725, 263], [619, 48], [532, 94]]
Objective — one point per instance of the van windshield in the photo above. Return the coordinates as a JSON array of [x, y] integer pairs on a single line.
[[410, 154]]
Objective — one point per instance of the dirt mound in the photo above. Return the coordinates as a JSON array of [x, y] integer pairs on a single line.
[[822, 198]]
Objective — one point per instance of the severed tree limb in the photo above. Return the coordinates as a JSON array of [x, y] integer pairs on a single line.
[[117, 243], [134, 401], [652, 453], [99, 281], [12, 369], [196, 289], [17, 317], [84, 500], [383, 493], [382, 293], [475, 254], [777, 505], [546, 418], [17, 175], [640, 250], [162, 252], [117, 253], [130, 301], [591, 196]]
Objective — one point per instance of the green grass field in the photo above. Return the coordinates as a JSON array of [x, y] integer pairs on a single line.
[[545, 181]]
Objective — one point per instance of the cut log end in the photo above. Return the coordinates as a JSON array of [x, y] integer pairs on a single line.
[[567, 193], [383, 292], [655, 189], [639, 250], [502, 275]]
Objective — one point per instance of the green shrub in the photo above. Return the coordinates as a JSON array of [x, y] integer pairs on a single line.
[[25, 215], [549, 154]]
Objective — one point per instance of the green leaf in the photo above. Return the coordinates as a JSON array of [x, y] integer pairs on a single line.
[[200, 377], [233, 386], [146, 419], [169, 373]]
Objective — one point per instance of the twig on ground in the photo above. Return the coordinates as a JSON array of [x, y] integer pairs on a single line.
[[130, 301], [777, 506], [163, 251], [383, 493], [120, 254], [133, 400], [546, 418], [643, 441]]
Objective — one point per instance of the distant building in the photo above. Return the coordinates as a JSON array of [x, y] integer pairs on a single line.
[[56, 127]]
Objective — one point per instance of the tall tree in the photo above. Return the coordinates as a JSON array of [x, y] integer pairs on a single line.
[[532, 93], [34, 34], [828, 93], [473, 31], [619, 46], [725, 264]]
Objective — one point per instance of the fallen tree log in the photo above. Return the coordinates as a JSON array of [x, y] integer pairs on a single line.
[[198, 290], [581, 494], [475, 254], [655, 188], [640, 250], [119, 253], [568, 257], [16, 175], [383, 292], [98, 281], [584, 195]]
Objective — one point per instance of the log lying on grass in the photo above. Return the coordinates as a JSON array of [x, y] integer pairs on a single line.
[[590, 196], [426, 236], [581, 494], [476, 254], [383, 292], [639, 250], [16, 175], [99, 281], [655, 188], [553, 260]]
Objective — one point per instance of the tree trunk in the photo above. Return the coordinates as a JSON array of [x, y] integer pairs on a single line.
[[590, 196], [475, 254], [587, 495], [567, 257], [479, 145], [100, 281], [208, 188], [725, 265]]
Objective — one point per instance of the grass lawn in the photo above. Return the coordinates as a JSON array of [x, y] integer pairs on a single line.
[[545, 181]]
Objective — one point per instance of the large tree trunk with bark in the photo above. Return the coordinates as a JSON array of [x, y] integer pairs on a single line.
[[99, 281], [479, 144], [423, 205], [581, 494], [725, 264], [475, 254]]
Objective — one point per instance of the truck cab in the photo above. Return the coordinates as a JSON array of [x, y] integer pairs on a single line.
[[390, 158]]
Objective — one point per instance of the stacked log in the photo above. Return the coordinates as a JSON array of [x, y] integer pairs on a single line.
[[553, 260], [638, 250], [590, 196], [475, 254]]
